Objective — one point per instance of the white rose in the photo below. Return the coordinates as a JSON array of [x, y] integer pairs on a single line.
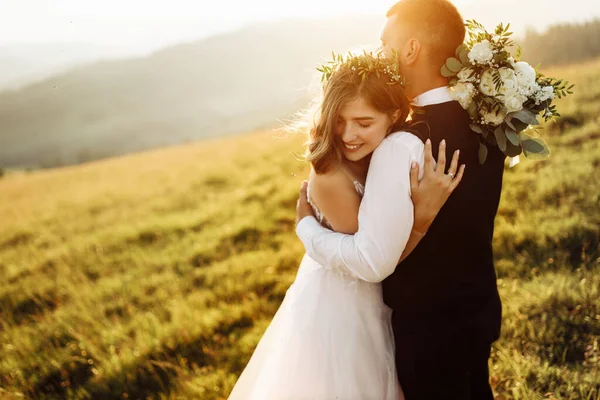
[[486, 85], [514, 103], [525, 72], [535, 88], [465, 73], [493, 118], [463, 92], [525, 77], [481, 53], [543, 94], [510, 85]]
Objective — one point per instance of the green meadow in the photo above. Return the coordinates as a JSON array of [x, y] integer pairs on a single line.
[[154, 275]]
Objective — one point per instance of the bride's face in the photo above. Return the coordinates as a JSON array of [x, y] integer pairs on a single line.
[[361, 128]]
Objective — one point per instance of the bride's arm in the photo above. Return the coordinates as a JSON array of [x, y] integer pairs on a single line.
[[335, 196]]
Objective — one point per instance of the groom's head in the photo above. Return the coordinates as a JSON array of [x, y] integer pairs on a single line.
[[424, 33]]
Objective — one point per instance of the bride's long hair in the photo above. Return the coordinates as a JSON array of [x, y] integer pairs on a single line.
[[324, 148]]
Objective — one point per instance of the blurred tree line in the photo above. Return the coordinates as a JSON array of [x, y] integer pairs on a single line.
[[562, 43]]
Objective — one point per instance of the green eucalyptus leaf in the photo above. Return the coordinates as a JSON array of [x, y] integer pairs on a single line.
[[446, 73], [509, 123], [540, 154], [511, 135], [525, 116], [454, 65], [459, 49], [464, 57], [534, 147], [462, 53], [519, 126], [500, 138]]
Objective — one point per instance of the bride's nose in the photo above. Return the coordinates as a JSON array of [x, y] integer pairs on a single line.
[[348, 133]]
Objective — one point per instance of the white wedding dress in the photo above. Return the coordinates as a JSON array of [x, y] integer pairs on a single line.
[[330, 339]]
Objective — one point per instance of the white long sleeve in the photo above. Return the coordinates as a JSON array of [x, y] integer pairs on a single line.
[[385, 217]]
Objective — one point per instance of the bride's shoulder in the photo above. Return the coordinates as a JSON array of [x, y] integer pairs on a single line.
[[330, 180]]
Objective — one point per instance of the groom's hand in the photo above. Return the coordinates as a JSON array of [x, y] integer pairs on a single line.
[[430, 194], [303, 209]]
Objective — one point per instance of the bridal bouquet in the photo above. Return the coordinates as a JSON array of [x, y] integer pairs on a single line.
[[503, 95]]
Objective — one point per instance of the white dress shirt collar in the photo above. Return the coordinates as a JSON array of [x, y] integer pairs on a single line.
[[433, 96]]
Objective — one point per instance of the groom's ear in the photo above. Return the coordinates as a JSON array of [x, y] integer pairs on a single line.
[[412, 51]]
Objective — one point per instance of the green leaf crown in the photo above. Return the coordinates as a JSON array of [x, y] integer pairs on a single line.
[[363, 64]]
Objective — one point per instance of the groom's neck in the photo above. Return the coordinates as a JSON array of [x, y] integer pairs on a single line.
[[422, 83]]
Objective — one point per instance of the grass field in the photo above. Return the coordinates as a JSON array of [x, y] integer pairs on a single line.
[[154, 275]]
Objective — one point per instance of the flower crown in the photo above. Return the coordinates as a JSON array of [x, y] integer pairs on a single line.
[[364, 64]]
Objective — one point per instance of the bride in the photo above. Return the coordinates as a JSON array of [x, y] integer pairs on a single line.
[[331, 337]]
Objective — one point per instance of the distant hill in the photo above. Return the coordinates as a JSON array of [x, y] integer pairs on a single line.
[[25, 63], [234, 82]]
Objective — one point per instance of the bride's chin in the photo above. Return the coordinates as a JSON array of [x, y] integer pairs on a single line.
[[354, 157]]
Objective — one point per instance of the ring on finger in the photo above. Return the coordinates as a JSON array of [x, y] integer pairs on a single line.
[[451, 175]]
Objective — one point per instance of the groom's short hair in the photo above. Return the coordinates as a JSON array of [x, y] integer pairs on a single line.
[[437, 22]]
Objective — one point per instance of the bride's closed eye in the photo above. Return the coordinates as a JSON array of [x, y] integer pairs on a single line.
[[364, 125]]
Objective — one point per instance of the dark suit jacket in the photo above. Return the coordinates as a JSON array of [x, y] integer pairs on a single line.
[[448, 284]]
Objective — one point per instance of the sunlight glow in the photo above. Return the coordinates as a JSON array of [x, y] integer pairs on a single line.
[[155, 23]]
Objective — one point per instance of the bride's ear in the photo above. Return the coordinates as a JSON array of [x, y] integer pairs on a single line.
[[393, 120]]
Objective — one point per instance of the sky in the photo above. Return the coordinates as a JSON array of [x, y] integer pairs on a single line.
[[149, 24]]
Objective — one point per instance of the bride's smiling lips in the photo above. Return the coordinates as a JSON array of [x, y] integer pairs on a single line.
[[352, 147]]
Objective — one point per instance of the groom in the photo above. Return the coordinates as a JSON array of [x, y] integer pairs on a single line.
[[446, 307]]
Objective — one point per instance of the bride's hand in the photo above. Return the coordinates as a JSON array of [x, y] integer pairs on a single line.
[[303, 208], [430, 194]]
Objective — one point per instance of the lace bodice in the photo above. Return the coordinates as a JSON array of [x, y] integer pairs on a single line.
[[360, 189]]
